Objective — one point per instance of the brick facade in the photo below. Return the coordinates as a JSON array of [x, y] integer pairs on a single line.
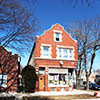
[[53, 62], [9, 67]]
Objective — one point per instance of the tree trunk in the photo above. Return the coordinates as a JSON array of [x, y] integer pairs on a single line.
[[87, 83], [80, 78], [76, 79]]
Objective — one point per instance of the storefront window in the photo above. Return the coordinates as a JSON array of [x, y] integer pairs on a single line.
[[58, 79]]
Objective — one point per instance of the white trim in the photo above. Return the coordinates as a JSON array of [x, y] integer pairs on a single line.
[[54, 66], [50, 28], [45, 44], [65, 47], [61, 46], [50, 50], [58, 85], [57, 30], [56, 59], [54, 35], [58, 71]]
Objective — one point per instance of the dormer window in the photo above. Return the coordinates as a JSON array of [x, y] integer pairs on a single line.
[[57, 35]]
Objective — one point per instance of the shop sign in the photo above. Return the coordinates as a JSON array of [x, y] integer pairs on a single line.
[[58, 70]]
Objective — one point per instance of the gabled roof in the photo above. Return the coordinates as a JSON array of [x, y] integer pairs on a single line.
[[56, 27]]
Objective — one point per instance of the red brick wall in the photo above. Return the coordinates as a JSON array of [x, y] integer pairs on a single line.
[[47, 38], [53, 63], [9, 65]]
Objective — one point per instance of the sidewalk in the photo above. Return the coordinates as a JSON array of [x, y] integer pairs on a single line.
[[73, 92]]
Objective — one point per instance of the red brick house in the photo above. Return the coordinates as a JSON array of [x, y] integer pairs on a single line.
[[8, 71], [54, 56]]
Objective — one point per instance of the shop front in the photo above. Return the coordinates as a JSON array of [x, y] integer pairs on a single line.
[[58, 79]]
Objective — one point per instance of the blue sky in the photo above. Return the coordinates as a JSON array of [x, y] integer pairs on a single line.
[[50, 12]]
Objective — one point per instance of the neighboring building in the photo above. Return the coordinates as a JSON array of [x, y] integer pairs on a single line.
[[92, 77], [97, 77], [54, 56], [8, 71], [82, 78]]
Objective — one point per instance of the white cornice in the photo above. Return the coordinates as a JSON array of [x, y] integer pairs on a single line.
[[56, 59]]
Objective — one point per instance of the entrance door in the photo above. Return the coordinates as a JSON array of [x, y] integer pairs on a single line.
[[41, 83]]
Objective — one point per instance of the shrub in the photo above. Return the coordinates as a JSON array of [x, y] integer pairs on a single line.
[[29, 78]]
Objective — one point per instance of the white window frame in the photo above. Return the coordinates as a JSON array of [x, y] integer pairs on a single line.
[[68, 52], [42, 51], [60, 35], [45, 53], [4, 80]]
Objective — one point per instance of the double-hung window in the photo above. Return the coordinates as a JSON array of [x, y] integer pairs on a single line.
[[65, 53], [70, 53], [45, 51]]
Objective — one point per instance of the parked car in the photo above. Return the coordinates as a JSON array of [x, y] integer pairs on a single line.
[[93, 86]]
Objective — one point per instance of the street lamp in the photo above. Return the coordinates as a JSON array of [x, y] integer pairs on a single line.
[[19, 59], [61, 63], [19, 75]]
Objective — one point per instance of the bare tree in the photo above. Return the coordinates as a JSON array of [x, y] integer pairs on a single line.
[[87, 33], [89, 3], [17, 25]]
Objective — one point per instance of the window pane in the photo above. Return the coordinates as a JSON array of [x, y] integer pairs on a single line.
[[70, 56], [45, 51], [45, 54], [59, 49], [41, 71], [65, 50], [70, 50], [65, 55], [3, 78], [70, 53], [57, 35]]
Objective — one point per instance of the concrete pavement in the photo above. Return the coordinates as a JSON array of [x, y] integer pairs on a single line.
[[54, 93]]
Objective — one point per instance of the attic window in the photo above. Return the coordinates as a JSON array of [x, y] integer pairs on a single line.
[[57, 37]]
